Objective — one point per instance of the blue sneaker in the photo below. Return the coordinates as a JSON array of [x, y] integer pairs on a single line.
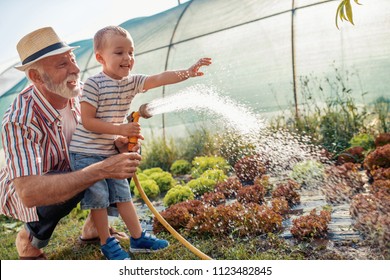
[[147, 243], [112, 250]]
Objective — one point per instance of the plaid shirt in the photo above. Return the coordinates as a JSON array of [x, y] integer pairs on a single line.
[[33, 145]]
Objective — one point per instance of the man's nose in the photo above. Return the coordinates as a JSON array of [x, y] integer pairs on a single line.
[[75, 68]]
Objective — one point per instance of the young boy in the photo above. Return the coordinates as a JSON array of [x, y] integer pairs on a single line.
[[104, 104]]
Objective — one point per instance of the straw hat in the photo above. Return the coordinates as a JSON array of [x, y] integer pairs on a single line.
[[39, 44]]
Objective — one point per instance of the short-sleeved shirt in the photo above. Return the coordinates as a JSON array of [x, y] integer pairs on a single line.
[[112, 99], [34, 144]]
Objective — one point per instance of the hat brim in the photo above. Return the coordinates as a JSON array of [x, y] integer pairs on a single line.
[[23, 67]]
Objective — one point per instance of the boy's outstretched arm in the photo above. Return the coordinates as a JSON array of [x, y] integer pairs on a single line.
[[173, 77]]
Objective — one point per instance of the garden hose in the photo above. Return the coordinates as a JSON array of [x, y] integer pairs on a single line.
[[134, 117], [180, 238]]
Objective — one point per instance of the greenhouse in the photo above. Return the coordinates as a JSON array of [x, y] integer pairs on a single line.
[[278, 65], [263, 53]]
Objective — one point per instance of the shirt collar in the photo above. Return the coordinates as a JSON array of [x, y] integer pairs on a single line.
[[45, 108]]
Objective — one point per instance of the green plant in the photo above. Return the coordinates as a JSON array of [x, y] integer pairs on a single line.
[[178, 194], [78, 213], [382, 109], [328, 113], [158, 152], [180, 167], [141, 177], [308, 172], [152, 170], [344, 11], [233, 146], [164, 180], [337, 127], [217, 175], [150, 188], [364, 140], [201, 164], [10, 225], [201, 185], [199, 142]]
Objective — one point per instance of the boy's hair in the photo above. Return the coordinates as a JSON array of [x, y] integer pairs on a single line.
[[100, 36]]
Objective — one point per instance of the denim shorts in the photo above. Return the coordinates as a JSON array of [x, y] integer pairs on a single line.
[[103, 193]]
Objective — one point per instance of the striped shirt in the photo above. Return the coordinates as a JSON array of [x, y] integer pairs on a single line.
[[34, 144], [112, 99]]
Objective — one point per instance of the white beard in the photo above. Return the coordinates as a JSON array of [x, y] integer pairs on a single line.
[[62, 89]]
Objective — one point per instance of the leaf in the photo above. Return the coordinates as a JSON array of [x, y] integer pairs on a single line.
[[10, 225], [342, 14], [344, 11], [348, 9], [338, 13]]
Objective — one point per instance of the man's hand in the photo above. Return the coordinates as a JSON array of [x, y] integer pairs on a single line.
[[121, 143], [121, 166]]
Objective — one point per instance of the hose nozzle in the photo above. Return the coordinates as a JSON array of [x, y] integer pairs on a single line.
[[144, 111], [134, 117]]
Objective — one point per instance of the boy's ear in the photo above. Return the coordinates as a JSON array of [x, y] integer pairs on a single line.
[[99, 58]]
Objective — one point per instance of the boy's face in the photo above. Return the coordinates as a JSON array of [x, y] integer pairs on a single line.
[[117, 57]]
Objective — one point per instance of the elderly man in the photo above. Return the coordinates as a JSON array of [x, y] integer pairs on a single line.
[[36, 185]]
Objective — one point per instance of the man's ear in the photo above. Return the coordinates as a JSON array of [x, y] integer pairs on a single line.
[[34, 76]]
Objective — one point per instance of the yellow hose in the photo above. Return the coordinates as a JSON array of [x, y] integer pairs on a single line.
[[166, 225]]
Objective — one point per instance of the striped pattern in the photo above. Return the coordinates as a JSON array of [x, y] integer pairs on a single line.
[[33, 144], [112, 99]]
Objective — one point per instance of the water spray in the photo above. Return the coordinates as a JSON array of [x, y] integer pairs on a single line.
[[144, 112]]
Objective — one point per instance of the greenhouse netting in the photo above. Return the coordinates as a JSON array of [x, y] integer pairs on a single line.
[[264, 54]]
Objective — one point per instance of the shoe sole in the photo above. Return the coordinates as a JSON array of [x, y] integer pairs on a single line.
[[132, 250]]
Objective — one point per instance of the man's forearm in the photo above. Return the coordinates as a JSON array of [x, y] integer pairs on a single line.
[[40, 190]]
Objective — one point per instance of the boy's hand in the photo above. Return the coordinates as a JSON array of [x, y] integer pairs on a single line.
[[132, 129], [193, 71], [175, 76]]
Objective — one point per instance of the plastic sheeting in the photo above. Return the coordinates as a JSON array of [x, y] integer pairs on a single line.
[[254, 46]]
